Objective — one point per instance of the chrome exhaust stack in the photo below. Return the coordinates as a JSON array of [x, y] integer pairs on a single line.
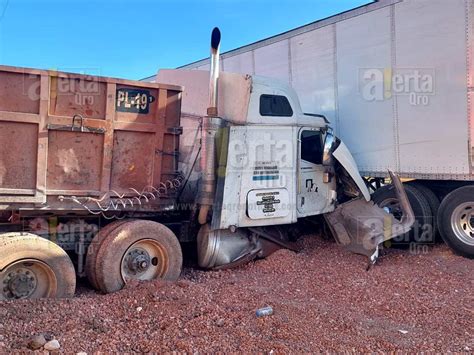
[[210, 126], [214, 72], [221, 249]]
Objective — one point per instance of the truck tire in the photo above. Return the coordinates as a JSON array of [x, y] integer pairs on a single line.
[[92, 251], [423, 227], [34, 267], [137, 250], [456, 221], [434, 203]]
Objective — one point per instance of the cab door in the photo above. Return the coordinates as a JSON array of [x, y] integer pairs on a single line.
[[315, 196]]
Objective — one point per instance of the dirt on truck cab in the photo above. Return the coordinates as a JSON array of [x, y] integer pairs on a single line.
[[98, 179]]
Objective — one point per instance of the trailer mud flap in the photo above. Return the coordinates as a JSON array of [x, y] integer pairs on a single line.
[[361, 226]]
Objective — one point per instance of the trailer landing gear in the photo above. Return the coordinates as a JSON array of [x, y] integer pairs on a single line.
[[34, 267]]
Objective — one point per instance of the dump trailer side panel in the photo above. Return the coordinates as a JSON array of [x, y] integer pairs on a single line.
[[68, 135]]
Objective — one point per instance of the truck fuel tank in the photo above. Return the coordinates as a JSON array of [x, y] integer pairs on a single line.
[[228, 248]]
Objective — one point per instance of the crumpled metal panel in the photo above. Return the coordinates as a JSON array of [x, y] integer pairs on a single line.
[[361, 226]]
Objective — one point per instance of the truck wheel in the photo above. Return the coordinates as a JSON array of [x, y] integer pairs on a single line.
[[34, 267], [92, 251], [456, 221], [137, 250], [422, 230], [434, 203]]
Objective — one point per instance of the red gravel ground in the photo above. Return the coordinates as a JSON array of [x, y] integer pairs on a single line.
[[323, 299]]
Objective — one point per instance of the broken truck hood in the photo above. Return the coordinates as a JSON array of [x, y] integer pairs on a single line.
[[344, 157], [360, 226]]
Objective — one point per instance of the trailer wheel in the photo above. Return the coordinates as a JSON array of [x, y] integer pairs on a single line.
[[34, 267], [137, 250], [456, 221], [93, 249], [422, 230], [434, 203]]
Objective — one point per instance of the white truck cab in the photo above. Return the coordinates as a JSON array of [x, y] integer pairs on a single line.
[[265, 163], [275, 169], [268, 164]]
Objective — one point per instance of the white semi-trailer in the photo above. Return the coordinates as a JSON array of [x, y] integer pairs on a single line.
[[395, 78]]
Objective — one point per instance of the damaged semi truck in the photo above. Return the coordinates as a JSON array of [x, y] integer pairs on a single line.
[[90, 182], [396, 80]]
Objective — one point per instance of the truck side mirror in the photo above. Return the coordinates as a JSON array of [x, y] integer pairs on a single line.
[[329, 145]]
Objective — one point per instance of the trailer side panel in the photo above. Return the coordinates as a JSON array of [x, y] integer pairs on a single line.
[[395, 78], [64, 134]]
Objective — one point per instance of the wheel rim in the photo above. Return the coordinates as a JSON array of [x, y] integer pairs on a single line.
[[27, 279], [144, 260], [462, 222]]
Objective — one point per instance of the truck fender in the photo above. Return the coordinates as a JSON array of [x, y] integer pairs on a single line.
[[361, 226], [344, 157]]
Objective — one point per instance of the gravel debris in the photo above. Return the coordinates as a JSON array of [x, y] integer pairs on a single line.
[[322, 297], [52, 345], [36, 342]]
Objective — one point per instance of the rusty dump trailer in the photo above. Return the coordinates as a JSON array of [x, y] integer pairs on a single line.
[[75, 151], [66, 135]]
